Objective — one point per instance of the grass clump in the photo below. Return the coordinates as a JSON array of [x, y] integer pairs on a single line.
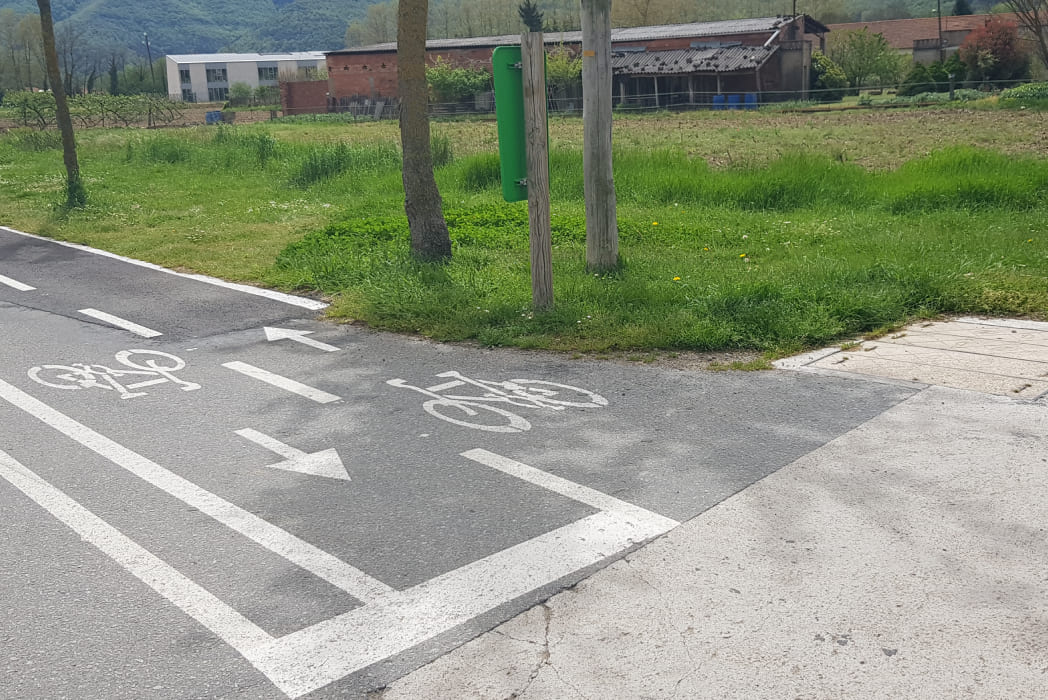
[[325, 162]]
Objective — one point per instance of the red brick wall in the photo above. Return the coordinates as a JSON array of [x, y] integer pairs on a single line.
[[375, 75], [306, 97]]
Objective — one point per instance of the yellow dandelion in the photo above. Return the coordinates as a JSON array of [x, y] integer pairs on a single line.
[[654, 223], [676, 279], [742, 255]]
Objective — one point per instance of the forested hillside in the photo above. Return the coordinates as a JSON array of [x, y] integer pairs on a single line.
[[201, 26]]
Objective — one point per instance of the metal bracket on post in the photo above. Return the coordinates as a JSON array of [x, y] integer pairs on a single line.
[[523, 182]]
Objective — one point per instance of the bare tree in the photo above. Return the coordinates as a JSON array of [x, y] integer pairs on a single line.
[[422, 203], [75, 195], [1033, 16]]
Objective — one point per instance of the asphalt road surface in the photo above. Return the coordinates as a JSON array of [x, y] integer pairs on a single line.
[[194, 506]]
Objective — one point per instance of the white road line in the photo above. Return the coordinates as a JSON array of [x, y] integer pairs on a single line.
[[121, 323], [229, 625], [397, 622], [15, 284], [302, 302], [282, 382], [299, 552], [556, 484]]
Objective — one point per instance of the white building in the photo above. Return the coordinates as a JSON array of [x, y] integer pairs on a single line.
[[206, 77]]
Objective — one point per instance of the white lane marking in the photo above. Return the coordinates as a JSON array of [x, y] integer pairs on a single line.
[[556, 484], [15, 284], [298, 336], [281, 382], [225, 622], [121, 323], [299, 552], [302, 302], [324, 463], [401, 620]]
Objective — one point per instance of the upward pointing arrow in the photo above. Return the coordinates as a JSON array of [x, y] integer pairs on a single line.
[[298, 336], [324, 463]]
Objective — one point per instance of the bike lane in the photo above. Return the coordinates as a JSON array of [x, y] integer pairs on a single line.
[[433, 515]]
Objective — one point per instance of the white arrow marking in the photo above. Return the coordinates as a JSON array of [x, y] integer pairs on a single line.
[[282, 382], [121, 323], [299, 337], [20, 286], [324, 463]]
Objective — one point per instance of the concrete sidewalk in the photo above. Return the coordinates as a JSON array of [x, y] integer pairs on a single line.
[[907, 558]]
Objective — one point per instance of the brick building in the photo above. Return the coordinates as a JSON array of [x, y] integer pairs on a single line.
[[920, 37], [662, 65]]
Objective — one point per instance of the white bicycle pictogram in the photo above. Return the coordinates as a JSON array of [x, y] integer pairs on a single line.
[[159, 366], [526, 393]]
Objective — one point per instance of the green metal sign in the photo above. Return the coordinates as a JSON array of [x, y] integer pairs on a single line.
[[509, 112]]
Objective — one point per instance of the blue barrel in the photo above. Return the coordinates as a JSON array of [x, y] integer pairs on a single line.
[[718, 101], [751, 100], [213, 117], [734, 101]]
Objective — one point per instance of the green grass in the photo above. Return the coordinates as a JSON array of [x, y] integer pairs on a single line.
[[774, 253]]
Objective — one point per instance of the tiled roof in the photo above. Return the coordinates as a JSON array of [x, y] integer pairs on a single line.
[[684, 61], [730, 27], [901, 33]]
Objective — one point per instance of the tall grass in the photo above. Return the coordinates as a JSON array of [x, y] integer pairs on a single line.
[[794, 255]]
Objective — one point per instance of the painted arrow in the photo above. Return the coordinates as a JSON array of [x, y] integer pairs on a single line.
[[298, 336], [325, 463]]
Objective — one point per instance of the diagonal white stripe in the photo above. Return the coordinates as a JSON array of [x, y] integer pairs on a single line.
[[312, 559], [232, 627], [121, 323], [281, 382]]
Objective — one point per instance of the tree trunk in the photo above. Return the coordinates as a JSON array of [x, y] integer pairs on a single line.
[[602, 234], [422, 204], [75, 195]]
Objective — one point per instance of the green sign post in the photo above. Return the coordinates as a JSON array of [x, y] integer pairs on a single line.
[[509, 112]]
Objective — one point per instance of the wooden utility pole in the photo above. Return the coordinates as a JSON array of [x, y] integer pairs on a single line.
[[533, 65], [602, 233]]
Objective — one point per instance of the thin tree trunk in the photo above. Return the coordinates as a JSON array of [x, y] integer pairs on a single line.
[[75, 195], [602, 233], [422, 203]]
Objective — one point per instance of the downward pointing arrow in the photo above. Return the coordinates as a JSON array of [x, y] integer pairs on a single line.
[[324, 463], [298, 336]]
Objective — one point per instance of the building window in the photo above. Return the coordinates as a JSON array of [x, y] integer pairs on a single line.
[[219, 94], [267, 73], [216, 75], [183, 75], [187, 95]]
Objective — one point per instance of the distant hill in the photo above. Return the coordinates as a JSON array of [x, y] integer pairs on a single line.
[[205, 26]]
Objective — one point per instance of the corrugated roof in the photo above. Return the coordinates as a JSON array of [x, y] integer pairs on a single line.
[[625, 34], [685, 61], [244, 57]]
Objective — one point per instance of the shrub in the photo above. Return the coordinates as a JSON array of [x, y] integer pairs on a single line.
[[1028, 95], [827, 78], [449, 83]]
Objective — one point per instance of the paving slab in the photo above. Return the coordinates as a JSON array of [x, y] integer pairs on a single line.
[[903, 559], [983, 355]]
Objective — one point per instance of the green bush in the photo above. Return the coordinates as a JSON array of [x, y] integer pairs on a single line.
[[450, 83], [1028, 95], [827, 78]]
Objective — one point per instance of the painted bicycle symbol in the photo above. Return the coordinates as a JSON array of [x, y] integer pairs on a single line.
[[525, 393], [158, 366]]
